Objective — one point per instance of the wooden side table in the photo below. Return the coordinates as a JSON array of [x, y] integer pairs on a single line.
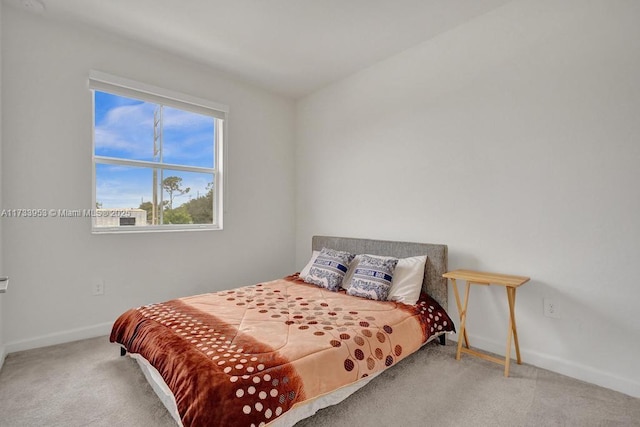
[[511, 283]]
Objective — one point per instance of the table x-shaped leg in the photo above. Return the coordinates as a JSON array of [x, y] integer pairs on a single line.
[[462, 311], [511, 296]]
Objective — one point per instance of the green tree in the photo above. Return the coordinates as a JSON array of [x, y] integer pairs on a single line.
[[173, 186], [176, 216], [201, 208], [147, 206]]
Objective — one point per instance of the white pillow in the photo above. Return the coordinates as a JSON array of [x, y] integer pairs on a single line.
[[305, 271], [407, 278]]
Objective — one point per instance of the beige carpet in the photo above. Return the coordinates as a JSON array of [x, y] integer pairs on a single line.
[[87, 383]]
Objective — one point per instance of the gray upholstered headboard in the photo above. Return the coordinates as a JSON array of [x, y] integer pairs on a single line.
[[434, 284]]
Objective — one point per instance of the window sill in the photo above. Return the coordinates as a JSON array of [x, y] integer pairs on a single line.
[[153, 229]]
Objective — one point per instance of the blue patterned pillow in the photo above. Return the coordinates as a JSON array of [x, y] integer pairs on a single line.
[[372, 278], [329, 269]]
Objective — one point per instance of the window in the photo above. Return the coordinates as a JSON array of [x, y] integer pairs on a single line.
[[157, 158]]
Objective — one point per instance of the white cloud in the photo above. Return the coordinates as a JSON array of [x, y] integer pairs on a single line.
[[126, 131]]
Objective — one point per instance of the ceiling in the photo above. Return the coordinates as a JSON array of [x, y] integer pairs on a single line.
[[292, 47]]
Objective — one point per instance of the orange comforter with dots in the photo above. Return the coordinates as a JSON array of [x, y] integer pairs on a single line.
[[245, 356]]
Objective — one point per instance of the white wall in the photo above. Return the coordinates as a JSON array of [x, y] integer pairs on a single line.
[[2, 350], [514, 140], [47, 164]]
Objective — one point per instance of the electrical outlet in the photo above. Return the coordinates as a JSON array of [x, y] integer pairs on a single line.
[[97, 288], [551, 308]]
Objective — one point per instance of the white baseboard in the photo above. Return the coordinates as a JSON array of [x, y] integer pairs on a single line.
[[561, 366], [59, 337]]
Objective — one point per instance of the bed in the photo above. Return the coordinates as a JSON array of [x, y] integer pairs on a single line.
[[278, 351]]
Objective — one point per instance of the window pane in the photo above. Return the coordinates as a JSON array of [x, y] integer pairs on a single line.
[[188, 138], [188, 197], [124, 127], [121, 192], [122, 187]]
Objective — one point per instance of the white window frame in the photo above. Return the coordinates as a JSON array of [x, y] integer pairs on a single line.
[[108, 83]]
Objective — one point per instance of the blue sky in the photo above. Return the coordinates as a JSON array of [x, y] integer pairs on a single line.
[[124, 129]]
